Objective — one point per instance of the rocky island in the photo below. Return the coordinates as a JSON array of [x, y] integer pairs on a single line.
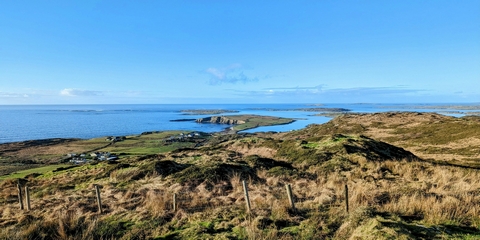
[[243, 122], [221, 120]]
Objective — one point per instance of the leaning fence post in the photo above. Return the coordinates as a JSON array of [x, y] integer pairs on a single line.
[[20, 197], [27, 198], [346, 198], [99, 200], [247, 199], [290, 196], [174, 202]]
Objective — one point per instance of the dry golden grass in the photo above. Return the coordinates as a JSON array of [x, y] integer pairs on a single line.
[[433, 194], [245, 148]]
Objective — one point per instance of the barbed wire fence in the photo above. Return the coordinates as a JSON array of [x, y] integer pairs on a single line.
[[189, 201]]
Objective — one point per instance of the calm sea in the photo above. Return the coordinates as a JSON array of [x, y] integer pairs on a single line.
[[19, 123]]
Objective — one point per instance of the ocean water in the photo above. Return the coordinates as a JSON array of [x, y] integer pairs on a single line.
[[20, 123]]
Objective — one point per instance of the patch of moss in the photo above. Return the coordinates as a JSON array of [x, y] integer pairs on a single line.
[[310, 145]]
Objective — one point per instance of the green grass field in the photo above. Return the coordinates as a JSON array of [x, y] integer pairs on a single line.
[[148, 144], [40, 170]]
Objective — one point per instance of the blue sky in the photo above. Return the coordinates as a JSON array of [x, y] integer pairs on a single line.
[[103, 52]]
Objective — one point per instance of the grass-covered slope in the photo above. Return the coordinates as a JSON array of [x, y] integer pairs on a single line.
[[19, 157], [430, 136], [392, 193]]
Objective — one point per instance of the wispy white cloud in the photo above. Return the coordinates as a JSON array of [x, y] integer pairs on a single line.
[[322, 90], [24, 96], [13, 95], [232, 74], [316, 89], [71, 92], [216, 73]]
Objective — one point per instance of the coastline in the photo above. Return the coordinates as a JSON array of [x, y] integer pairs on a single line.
[[90, 121]]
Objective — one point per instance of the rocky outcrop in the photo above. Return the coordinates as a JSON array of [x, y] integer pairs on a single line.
[[220, 119]]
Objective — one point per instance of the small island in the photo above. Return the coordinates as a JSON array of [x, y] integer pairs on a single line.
[[315, 109], [206, 111], [328, 114], [244, 122]]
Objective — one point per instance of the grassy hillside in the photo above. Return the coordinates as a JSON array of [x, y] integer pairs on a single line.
[[429, 136], [21, 156], [392, 192]]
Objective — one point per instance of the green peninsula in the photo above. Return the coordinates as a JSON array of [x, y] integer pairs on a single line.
[[243, 122]]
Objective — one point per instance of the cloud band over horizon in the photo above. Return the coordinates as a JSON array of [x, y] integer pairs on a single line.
[[71, 92]]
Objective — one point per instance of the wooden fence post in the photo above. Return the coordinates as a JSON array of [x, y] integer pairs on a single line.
[[247, 199], [99, 200], [20, 197], [174, 202], [290, 196], [346, 198], [27, 198]]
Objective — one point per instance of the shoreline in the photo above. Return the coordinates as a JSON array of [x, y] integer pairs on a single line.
[[53, 150], [331, 115], [100, 118]]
